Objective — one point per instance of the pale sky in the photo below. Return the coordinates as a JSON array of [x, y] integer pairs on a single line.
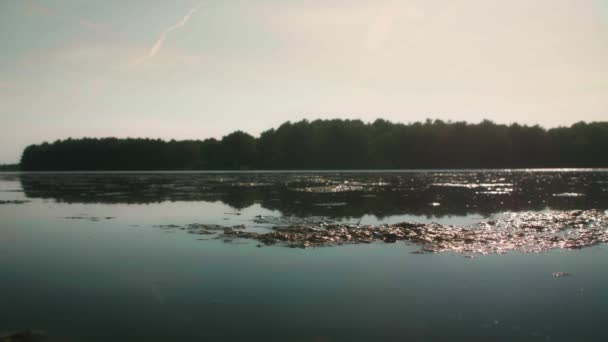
[[187, 69]]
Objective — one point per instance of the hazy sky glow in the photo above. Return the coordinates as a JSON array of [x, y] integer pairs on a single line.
[[191, 69]]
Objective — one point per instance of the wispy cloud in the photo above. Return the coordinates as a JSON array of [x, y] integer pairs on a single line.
[[165, 33]]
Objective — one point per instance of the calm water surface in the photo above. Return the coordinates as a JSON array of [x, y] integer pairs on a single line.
[[85, 260]]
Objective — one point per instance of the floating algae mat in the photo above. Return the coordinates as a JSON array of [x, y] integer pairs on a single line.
[[524, 232]]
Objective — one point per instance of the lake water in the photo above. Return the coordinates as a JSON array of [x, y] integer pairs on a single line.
[[103, 257]]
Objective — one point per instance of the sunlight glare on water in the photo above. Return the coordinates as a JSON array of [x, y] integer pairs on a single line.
[[115, 248]]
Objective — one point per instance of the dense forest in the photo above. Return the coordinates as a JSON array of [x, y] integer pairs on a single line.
[[9, 167], [340, 144]]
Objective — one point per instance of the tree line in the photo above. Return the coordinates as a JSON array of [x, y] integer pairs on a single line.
[[9, 167], [339, 144]]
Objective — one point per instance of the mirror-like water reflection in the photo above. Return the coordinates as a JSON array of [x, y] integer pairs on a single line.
[[83, 258], [337, 194]]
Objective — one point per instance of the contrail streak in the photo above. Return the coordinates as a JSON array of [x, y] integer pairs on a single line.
[[163, 35]]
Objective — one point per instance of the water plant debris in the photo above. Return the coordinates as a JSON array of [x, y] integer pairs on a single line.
[[14, 201], [524, 232]]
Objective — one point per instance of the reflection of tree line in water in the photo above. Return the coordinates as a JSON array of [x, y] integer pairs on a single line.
[[432, 194]]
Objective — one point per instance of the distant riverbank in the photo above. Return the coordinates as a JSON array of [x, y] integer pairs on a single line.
[[9, 167], [339, 144]]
